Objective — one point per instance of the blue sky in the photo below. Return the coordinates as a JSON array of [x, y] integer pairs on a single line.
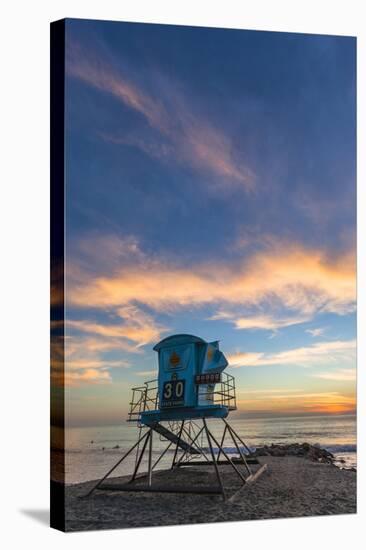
[[210, 189]]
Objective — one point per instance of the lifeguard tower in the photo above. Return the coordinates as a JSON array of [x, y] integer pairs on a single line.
[[191, 388]]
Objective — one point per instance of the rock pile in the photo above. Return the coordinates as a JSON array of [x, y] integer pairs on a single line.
[[296, 449]]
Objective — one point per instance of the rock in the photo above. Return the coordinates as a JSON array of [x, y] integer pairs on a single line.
[[305, 449]]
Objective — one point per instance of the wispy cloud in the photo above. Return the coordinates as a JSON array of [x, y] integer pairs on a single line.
[[87, 364], [98, 344], [76, 360], [184, 134], [318, 354], [260, 322], [147, 373], [87, 376], [339, 375], [136, 326], [315, 332], [88, 342]]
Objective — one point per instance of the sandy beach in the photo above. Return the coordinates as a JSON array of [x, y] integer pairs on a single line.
[[291, 486]]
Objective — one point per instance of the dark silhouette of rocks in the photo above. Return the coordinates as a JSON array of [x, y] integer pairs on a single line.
[[305, 450]]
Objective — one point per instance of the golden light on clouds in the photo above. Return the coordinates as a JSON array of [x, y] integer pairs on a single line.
[[287, 283], [289, 401], [87, 376], [302, 280], [134, 326]]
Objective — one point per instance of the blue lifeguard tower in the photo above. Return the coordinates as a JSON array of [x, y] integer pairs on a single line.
[[191, 388]]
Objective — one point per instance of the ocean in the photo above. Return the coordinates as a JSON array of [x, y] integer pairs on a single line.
[[91, 451]]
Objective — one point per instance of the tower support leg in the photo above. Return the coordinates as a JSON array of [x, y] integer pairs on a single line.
[[117, 464], [222, 443], [177, 445], [239, 438], [162, 454], [214, 460], [137, 466], [239, 450], [227, 457], [150, 458]]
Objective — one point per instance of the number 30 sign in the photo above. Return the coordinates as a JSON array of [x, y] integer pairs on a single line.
[[173, 393]]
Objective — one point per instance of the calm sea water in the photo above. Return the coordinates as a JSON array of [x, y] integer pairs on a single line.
[[91, 451]]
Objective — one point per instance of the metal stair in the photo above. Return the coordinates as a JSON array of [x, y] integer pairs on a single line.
[[167, 434]]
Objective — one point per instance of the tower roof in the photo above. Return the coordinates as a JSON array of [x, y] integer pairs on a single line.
[[177, 339]]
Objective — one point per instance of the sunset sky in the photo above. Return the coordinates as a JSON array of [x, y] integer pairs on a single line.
[[210, 190]]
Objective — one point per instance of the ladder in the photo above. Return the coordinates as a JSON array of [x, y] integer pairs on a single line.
[[170, 436]]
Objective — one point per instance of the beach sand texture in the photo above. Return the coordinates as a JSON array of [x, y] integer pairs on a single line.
[[290, 487]]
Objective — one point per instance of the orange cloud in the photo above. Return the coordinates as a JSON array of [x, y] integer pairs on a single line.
[[302, 280], [265, 392], [97, 344], [93, 364], [137, 327], [318, 402], [76, 361], [194, 140], [331, 403], [282, 277], [84, 360], [87, 376]]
